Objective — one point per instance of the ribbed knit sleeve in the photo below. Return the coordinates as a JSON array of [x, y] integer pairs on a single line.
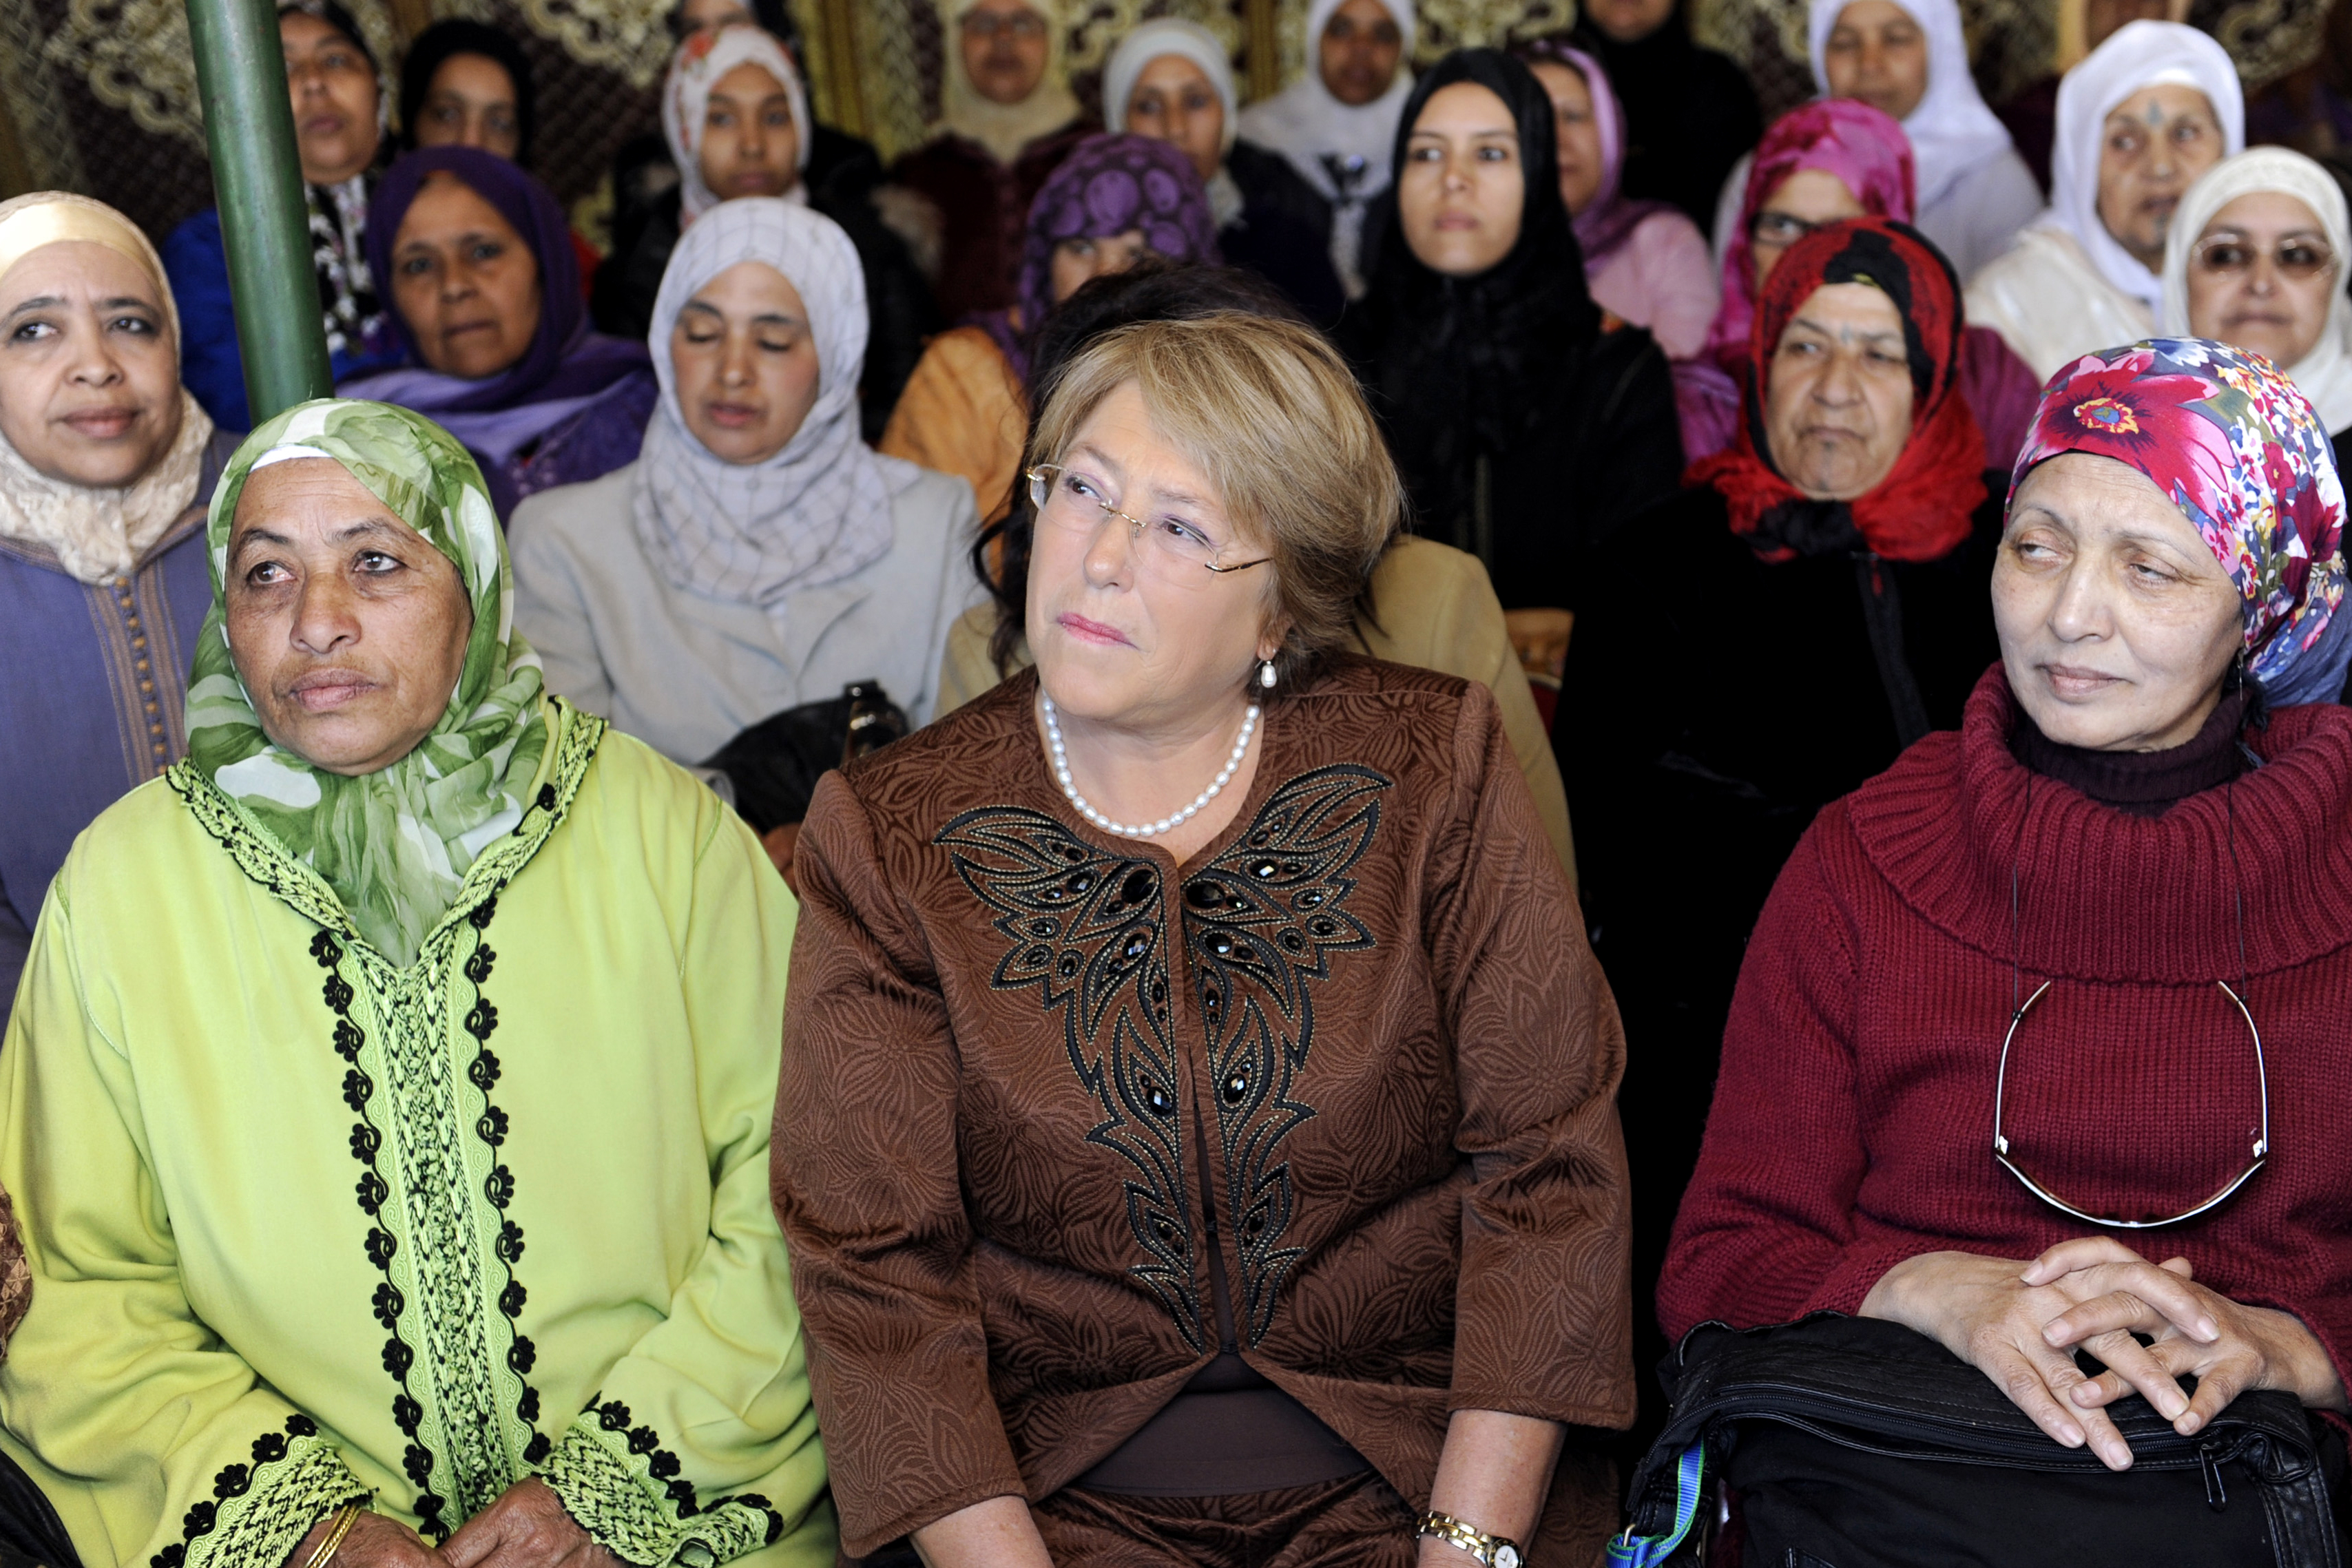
[[1767, 1230]]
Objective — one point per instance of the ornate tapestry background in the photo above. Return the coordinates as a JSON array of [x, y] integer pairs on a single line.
[[101, 95]]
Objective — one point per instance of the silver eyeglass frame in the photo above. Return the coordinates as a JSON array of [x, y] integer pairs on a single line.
[[2262, 1150], [1041, 488]]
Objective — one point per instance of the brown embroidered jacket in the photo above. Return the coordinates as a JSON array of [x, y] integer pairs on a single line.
[[1009, 1039]]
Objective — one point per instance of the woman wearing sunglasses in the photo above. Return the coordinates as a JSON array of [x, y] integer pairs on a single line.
[[2039, 1044], [2256, 258]]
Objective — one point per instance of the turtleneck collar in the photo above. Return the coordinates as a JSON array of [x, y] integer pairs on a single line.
[[2144, 783], [2109, 895]]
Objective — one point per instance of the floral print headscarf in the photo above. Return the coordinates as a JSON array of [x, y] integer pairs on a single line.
[[2240, 451], [393, 844]]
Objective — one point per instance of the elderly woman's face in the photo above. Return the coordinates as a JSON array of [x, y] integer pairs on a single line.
[[1807, 199], [744, 358], [1359, 51], [348, 629], [1004, 45], [334, 90], [1577, 133], [470, 102], [2116, 624], [464, 281], [1124, 632], [1877, 53], [90, 382], [2153, 147], [1462, 190], [1175, 101], [2261, 276], [1838, 403], [750, 145]]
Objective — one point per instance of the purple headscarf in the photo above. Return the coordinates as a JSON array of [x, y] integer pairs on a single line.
[[568, 364], [1108, 185], [1609, 219]]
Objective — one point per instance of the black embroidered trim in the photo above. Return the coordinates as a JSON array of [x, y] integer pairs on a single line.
[[614, 1417], [499, 1186], [1087, 932], [367, 1141], [1260, 921], [233, 1481]]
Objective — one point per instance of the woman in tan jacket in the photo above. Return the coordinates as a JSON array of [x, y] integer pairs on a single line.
[[1196, 1136]]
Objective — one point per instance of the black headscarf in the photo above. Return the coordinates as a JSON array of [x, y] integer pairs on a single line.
[[458, 35], [1458, 365]]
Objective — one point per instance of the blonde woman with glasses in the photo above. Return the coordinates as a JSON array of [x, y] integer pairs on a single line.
[[1199, 1142]]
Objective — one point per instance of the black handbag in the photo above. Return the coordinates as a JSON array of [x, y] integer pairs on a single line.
[[1854, 1443], [776, 764], [31, 1535]]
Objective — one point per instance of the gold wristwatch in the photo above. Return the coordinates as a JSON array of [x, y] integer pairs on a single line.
[[1492, 1550]]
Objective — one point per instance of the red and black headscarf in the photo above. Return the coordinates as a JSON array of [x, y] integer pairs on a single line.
[[1922, 510]]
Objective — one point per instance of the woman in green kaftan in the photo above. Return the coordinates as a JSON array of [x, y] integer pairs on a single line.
[[386, 1104]]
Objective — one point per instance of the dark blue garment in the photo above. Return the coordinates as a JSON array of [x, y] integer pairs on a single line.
[[211, 365], [92, 681]]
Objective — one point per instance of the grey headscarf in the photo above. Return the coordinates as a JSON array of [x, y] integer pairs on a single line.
[[815, 512]]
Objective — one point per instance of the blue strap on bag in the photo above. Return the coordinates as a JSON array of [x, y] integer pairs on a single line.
[[1632, 1551]]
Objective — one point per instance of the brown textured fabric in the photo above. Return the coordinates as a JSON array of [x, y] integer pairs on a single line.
[[1003, 1028], [16, 1274]]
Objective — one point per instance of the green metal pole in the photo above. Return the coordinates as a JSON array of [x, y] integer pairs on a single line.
[[257, 178]]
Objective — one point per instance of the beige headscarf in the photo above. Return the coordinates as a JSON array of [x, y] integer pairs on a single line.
[[97, 533], [1004, 128]]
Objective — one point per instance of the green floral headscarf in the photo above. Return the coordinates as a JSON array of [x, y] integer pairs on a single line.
[[393, 844]]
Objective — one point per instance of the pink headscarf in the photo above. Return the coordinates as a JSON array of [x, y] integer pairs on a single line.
[[1608, 220], [1841, 136]]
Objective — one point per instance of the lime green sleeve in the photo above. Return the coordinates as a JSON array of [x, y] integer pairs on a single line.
[[700, 1446], [183, 1456]]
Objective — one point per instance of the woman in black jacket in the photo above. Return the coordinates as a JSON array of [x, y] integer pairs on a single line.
[[1527, 432]]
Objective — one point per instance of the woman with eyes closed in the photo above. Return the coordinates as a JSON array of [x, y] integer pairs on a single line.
[[2139, 120], [1198, 1144], [485, 292], [2256, 260], [2136, 833], [758, 555], [1817, 605], [1527, 430], [104, 461]]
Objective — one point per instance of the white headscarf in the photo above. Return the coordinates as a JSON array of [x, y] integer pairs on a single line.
[[1952, 133], [1155, 40], [97, 535], [1304, 122], [1004, 128], [815, 512], [2140, 54], [694, 70], [2325, 375]]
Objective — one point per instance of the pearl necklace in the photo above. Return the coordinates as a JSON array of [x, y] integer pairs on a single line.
[[1061, 759]]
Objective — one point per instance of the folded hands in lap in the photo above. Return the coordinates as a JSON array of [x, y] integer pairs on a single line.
[[2022, 1326], [526, 1528]]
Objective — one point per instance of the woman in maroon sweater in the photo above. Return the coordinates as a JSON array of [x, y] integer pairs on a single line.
[[2139, 821]]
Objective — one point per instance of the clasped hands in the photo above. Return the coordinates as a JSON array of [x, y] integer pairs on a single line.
[[526, 1528], [2022, 1326]]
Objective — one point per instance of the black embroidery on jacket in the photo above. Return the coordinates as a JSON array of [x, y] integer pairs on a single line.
[[233, 1481], [367, 1141], [499, 1187], [1260, 921], [1086, 934]]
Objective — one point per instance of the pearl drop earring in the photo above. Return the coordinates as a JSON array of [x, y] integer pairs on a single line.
[[1265, 674]]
